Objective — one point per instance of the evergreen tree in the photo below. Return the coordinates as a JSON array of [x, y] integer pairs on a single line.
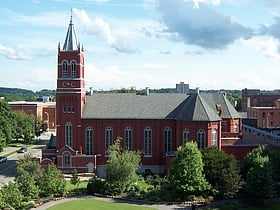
[[186, 173]]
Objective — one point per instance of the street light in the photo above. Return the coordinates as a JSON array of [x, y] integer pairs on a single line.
[[48, 120]]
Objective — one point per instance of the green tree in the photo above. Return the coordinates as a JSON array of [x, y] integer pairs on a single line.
[[121, 167], [11, 195], [7, 121], [259, 181], [25, 126], [222, 171], [2, 141], [186, 173], [27, 185], [75, 180], [51, 182], [27, 164]]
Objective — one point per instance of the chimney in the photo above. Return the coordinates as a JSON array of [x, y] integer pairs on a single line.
[[147, 91]]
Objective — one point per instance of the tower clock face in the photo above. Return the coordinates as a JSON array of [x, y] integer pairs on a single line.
[[66, 84]]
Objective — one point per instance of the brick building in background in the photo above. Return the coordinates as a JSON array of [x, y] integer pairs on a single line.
[[42, 110]]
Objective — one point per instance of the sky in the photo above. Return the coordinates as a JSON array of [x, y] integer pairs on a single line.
[[208, 44]]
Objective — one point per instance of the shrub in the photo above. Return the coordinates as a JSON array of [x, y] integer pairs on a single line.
[[96, 185]]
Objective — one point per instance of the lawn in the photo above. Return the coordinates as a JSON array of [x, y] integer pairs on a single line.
[[93, 204]]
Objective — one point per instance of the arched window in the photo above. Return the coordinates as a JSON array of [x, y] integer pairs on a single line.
[[64, 69], [89, 141], [108, 138], [73, 69], [68, 134], [66, 159], [214, 137], [201, 139], [147, 142], [128, 138], [167, 139], [186, 136]]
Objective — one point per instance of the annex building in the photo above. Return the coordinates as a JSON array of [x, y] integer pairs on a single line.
[[155, 124]]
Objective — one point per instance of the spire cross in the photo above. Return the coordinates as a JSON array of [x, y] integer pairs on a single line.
[[71, 15]]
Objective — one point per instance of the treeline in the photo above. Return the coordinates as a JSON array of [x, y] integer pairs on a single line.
[[17, 94]]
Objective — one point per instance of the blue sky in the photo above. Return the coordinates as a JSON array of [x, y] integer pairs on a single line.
[[210, 44]]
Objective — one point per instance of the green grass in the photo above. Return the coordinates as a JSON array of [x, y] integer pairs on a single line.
[[82, 186], [93, 204]]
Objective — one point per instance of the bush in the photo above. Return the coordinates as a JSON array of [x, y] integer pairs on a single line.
[[96, 185]]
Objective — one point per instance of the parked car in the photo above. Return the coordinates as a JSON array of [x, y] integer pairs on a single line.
[[3, 159], [22, 150]]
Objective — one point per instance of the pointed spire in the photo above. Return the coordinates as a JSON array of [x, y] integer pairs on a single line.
[[70, 42]]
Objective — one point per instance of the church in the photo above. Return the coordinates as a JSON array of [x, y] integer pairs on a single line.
[[154, 124]]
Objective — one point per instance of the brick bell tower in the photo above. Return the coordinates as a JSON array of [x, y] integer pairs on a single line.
[[70, 97]]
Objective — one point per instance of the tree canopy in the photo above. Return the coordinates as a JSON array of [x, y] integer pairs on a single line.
[[222, 171], [121, 166], [186, 174]]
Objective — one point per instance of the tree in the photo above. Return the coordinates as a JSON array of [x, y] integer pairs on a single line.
[[51, 182], [75, 180], [25, 125], [222, 171], [7, 121], [27, 175], [27, 185], [2, 141], [26, 164], [121, 167], [186, 173], [257, 170], [11, 195], [259, 182]]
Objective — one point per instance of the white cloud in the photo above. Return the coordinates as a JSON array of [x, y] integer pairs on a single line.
[[269, 46], [19, 54], [203, 26], [100, 28]]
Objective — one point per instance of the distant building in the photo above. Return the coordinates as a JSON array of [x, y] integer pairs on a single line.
[[182, 88], [43, 111], [258, 98], [266, 117], [155, 124]]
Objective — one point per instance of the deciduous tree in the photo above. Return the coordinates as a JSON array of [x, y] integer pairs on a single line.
[[121, 167], [222, 171], [186, 173]]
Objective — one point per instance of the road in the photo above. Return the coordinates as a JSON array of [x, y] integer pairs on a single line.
[[8, 168]]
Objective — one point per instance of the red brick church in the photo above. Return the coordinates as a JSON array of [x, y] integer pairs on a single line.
[[155, 124]]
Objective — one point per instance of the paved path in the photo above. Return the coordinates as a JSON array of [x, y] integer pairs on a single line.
[[159, 207]]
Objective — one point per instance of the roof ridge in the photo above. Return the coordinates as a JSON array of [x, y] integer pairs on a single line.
[[206, 107]]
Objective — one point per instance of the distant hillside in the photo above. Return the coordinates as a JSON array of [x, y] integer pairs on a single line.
[[18, 94], [16, 91]]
